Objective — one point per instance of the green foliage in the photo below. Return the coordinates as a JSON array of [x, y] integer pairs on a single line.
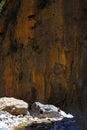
[[1, 5]]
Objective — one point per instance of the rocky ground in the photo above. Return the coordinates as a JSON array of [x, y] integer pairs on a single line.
[[14, 114], [11, 122]]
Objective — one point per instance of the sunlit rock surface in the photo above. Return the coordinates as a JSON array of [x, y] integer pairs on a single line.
[[48, 111], [13, 106], [13, 122], [9, 121]]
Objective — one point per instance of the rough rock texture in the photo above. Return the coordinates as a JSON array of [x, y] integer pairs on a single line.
[[13, 106], [47, 110], [43, 52], [40, 50], [50, 111], [10, 121]]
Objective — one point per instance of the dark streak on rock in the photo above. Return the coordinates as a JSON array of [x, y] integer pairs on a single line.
[[32, 16], [41, 4]]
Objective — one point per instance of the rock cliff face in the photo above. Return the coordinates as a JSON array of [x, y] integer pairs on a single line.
[[43, 51]]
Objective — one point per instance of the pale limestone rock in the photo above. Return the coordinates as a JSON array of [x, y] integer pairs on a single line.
[[13, 106], [47, 110]]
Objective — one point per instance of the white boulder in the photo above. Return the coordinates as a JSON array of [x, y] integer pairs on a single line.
[[13, 106]]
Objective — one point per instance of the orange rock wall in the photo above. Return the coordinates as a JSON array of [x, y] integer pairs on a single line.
[[40, 50]]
